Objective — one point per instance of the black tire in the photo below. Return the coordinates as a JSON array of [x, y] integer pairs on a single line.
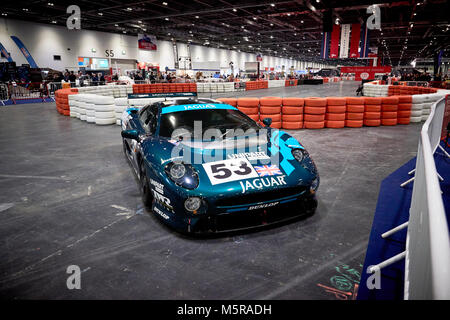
[[146, 192]]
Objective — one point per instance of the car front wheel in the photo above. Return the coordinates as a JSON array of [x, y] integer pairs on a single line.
[[146, 192]]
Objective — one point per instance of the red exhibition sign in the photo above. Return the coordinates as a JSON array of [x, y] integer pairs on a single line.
[[334, 46], [366, 73], [354, 42]]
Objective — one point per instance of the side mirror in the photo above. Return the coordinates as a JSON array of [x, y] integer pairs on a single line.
[[267, 122], [130, 134]]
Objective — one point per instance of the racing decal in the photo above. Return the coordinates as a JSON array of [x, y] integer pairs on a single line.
[[283, 143], [260, 183], [266, 170], [196, 107], [162, 199], [249, 155], [159, 187], [162, 214], [263, 206], [229, 170]]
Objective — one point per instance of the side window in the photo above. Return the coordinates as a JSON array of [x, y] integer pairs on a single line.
[[148, 119]]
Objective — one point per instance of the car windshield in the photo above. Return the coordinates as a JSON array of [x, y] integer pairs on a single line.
[[222, 119]]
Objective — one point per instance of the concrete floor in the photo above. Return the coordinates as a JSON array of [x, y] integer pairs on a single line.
[[68, 197]]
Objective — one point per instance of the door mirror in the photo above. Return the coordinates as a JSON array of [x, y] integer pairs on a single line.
[[267, 122], [130, 134]]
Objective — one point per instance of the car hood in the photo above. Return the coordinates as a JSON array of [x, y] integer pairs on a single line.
[[269, 157]]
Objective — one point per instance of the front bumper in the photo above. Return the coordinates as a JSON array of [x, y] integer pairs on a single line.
[[255, 216]]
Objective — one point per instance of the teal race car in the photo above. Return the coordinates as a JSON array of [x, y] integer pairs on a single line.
[[206, 167]]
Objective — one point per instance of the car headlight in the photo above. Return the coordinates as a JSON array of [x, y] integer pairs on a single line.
[[303, 157], [177, 171], [299, 154], [192, 204], [183, 175]]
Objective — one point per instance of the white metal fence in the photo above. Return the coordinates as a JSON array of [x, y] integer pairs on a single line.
[[427, 254], [427, 265]]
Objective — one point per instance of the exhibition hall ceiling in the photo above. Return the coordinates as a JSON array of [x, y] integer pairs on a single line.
[[409, 29]]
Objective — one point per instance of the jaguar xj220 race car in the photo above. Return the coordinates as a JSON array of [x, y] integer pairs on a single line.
[[205, 167]]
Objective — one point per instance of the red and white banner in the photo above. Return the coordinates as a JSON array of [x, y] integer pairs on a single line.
[[354, 43], [334, 46], [345, 40], [366, 72]]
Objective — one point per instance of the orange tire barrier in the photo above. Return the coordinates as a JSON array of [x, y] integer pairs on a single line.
[[249, 110], [62, 100], [335, 124], [230, 101], [335, 112], [389, 122], [372, 122], [292, 110], [354, 123], [249, 106], [270, 107], [336, 101], [315, 109], [291, 125], [274, 117], [248, 102], [389, 108], [292, 118], [292, 113], [335, 116], [164, 87]]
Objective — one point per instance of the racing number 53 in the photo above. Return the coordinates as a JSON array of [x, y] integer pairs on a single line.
[[221, 167], [229, 170]]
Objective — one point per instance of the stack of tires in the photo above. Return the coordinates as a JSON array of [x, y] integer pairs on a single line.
[[73, 103], [292, 113], [82, 106], [89, 105], [249, 106], [230, 101], [336, 109], [314, 113], [270, 107], [354, 117], [429, 99], [120, 105], [389, 108], [404, 109], [104, 110], [416, 108], [372, 112]]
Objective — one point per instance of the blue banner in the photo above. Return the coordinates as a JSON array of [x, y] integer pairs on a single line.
[[325, 45], [5, 53], [25, 52], [364, 53]]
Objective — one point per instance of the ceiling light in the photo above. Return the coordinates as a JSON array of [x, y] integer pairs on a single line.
[[272, 4], [116, 25], [54, 21], [196, 17], [129, 9], [25, 9], [165, 3], [50, 4], [100, 13], [167, 19], [271, 24], [254, 18], [234, 10]]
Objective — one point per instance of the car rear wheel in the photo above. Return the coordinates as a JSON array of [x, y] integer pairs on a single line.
[[146, 192]]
